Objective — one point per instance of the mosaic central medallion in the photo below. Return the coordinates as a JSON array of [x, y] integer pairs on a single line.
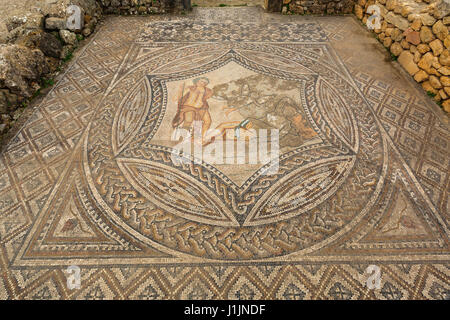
[[235, 94]]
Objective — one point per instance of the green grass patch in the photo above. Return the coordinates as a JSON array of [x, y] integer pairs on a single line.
[[222, 5], [431, 94], [47, 82], [68, 57], [44, 83], [37, 93]]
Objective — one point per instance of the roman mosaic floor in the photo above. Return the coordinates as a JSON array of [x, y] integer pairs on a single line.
[[362, 179]]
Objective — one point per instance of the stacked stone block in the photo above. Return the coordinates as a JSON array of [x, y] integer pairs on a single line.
[[417, 33], [136, 7], [318, 6]]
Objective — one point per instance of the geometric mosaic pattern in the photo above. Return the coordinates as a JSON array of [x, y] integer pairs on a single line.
[[418, 133], [89, 180]]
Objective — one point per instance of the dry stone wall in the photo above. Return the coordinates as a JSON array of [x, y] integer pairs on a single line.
[[34, 41], [135, 7], [318, 6], [417, 34]]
